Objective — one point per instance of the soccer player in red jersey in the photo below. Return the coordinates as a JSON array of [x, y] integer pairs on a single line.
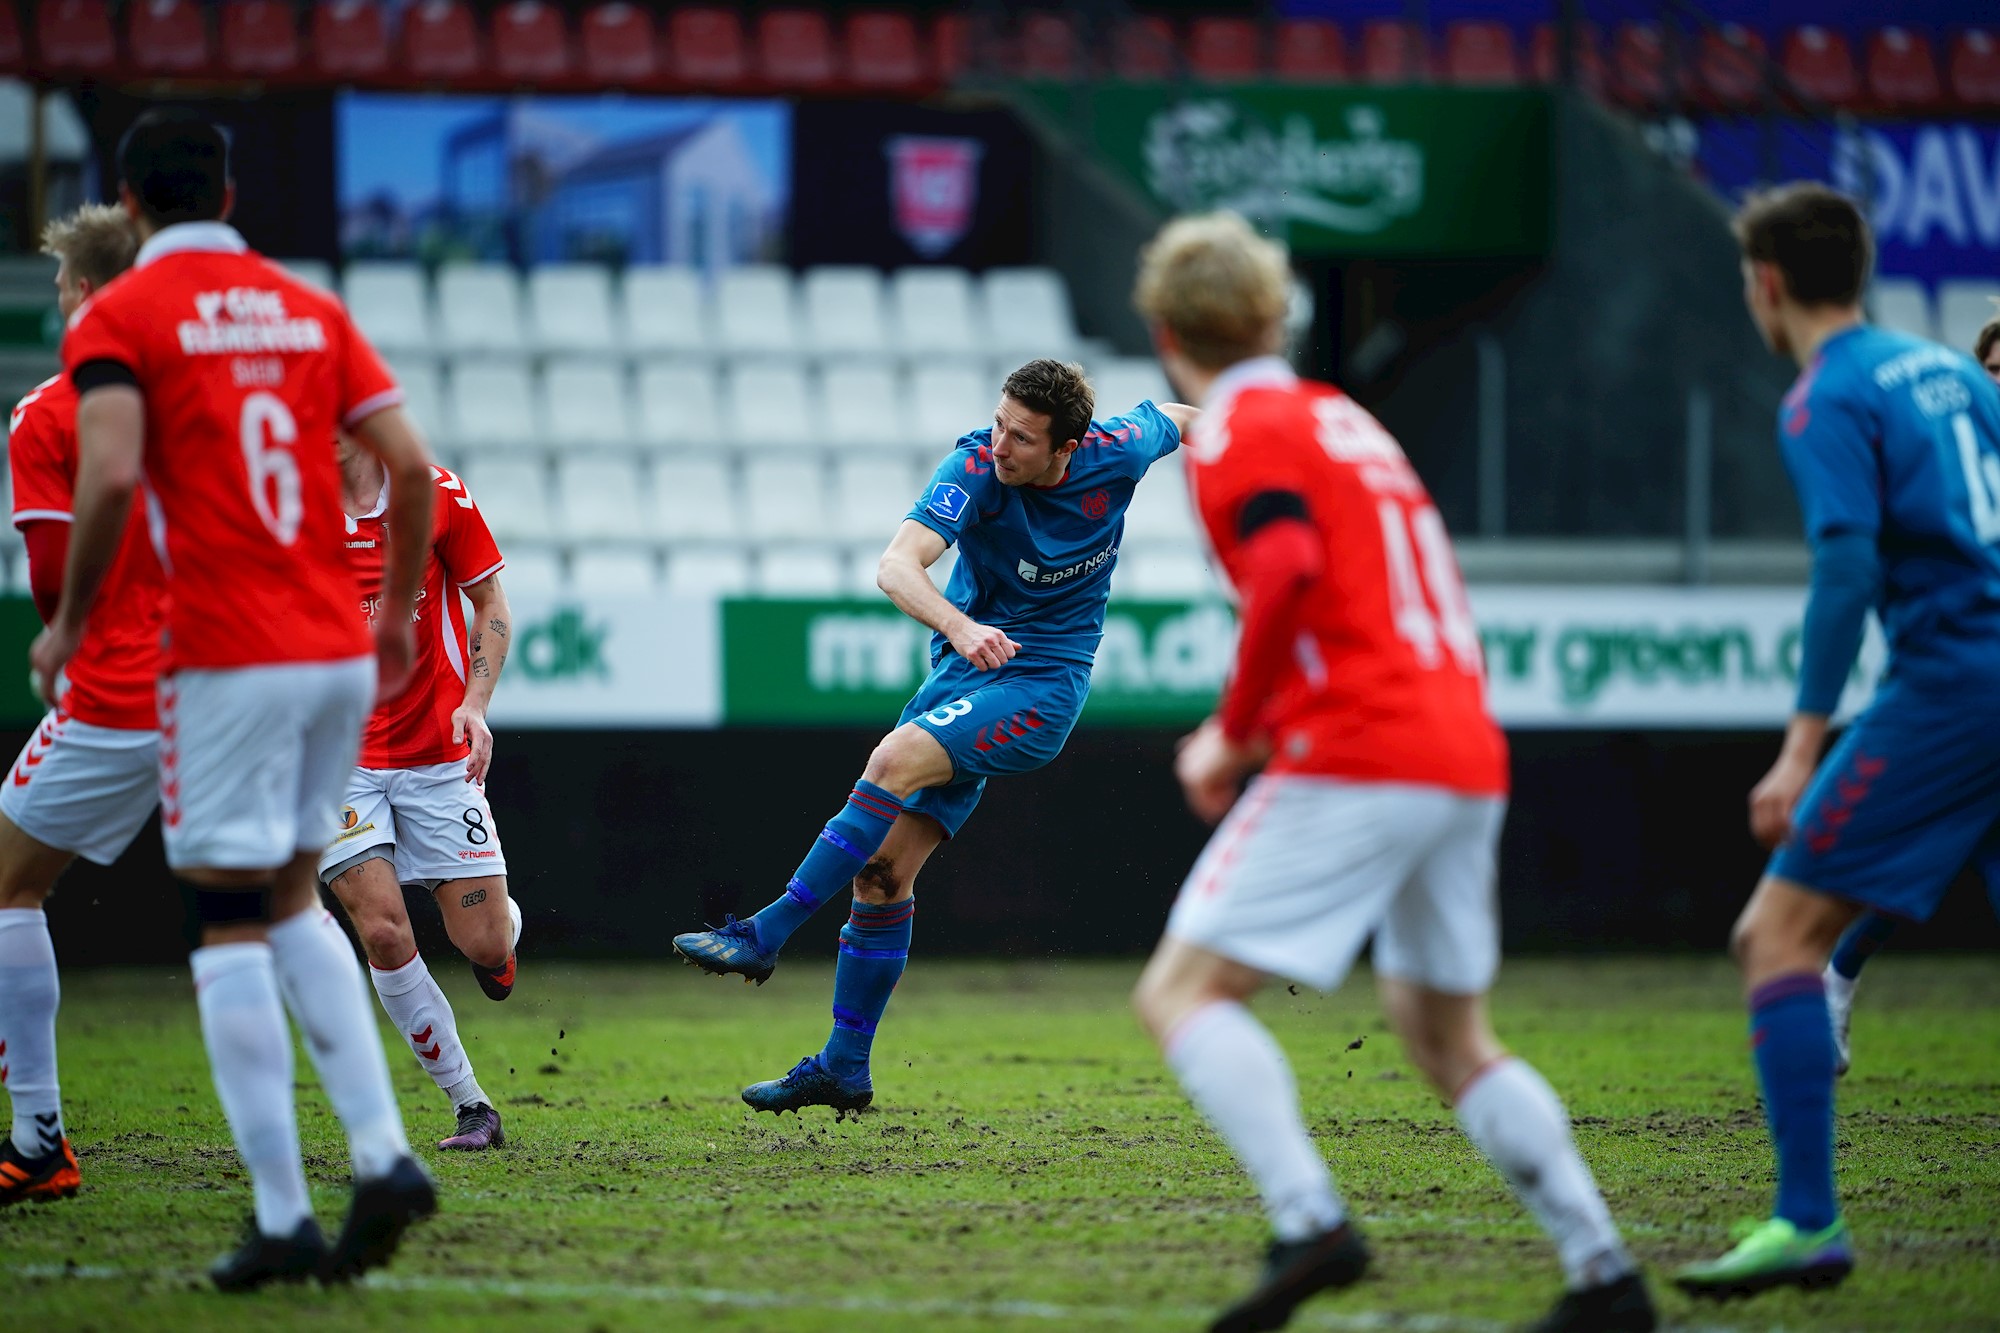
[[416, 809], [89, 776], [1358, 691], [219, 379]]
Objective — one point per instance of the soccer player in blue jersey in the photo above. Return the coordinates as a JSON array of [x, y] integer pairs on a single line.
[[1893, 444], [1036, 505]]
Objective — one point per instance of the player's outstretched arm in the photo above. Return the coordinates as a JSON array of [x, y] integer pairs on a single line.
[[389, 435], [111, 444], [486, 645], [1181, 415], [902, 574]]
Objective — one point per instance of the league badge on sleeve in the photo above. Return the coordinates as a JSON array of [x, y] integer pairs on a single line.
[[947, 501]]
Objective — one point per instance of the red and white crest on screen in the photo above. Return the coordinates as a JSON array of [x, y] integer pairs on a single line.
[[934, 185]]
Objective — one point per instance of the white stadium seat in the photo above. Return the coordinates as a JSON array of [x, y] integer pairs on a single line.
[[695, 498], [1964, 307], [845, 311], [784, 499], [513, 494], [1168, 575], [947, 401], [390, 304], [569, 308], [871, 494], [708, 572], [1903, 304], [584, 401], [936, 312], [423, 398], [492, 406], [800, 571], [315, 271], [602, 499], [615, 573], [679, 404], [1123, 382], [1160, 514], [667, 311], [863, 403], [770, 403], [1028, 314], [479, 308], [532, 571], [755, 310]]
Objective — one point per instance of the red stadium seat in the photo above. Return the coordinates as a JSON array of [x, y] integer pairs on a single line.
[[74, 36], [1143, 50], [1975, 68], [1729, 67], [1545, 56], [13, 55], [706, 46], [530, 42], [1902, 72], [1310, 51], [1223, 49], [348, 39], [259, 37], [166, 36], [1639, 65], [1820, 64], [952, 39], [618, 45], [883, 51], [440, 41], [1480, 52], [1048, 47], [795, 48], [1392, 51]]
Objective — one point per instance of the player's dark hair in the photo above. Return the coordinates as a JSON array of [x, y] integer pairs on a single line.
[[177, 166], [1989, 333], [1815, 236], [1059, 391]]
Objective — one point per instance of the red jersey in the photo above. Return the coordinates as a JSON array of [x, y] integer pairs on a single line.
[[1384, 680], [246, 372], [414, 728], [112, 678]]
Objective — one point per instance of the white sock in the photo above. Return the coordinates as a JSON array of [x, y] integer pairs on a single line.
[[1514, 1116], [321, 979], [1237, 1076], [250, 1055], [29, 994], [422, 1014]]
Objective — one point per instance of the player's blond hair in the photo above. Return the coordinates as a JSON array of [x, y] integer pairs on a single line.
[[96, 241], [1217, 286]]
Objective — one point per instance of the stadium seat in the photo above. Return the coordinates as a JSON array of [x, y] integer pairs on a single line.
[[795, 48], [513, 494], [569, 308], [1904, 305], [440, 41], [584, 402], [952, 40], [1545, 56], [863, 403], [492, 406], [666, 310], [883, 51], [845, 311], [695, 499], [530, 42], [602, 498], [166, 36], [770, 404], [618, 44], [423, 398], [1639, 65], [1820, 64], [1160, 516], [784, 498], [315, 271], [1309, 51], [1392, 51], [946, 401], [614, 573], [1143, 49], [1902, 72], [349, 39], [1166, 575], [1480, 53], [936, 312], [1975, 69], [1729, 67], [13, 49], [1028, 313], [679, 405], [755, 310], [74, 36], [1123, 382], [389, 303], [1964, 305], [479, 308], [871, 494], [1048, 47], [708, 572], [705, 46], [533, 572], [1225, 50], [799, 571], [259, 38]]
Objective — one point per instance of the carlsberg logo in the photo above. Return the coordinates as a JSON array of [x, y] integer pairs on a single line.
[[1206, 155]]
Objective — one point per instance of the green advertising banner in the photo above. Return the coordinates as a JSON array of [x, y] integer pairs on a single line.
[[19, 624], [1334, 171]]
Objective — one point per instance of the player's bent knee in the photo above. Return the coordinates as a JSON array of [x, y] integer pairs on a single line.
[[877, 882], [908, 760]]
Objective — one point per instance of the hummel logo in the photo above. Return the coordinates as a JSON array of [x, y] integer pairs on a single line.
[[48, 1126]]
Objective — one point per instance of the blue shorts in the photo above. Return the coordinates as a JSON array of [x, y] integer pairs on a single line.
[[1010, 720], [1907, 799]]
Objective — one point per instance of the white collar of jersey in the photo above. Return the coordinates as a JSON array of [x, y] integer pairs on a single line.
[[192, 238], [1259, 372], [381, 504]]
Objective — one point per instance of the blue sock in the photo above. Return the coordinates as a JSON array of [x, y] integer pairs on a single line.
[[1861, 941], [1792, 1039], [842, 848], [874, 949]]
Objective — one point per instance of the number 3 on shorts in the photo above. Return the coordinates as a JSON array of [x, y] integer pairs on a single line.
[[943, 717]]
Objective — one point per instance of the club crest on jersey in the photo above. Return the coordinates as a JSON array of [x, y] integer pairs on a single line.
[[948, 501], [1097, 504], [1029, 573], [934, 184]]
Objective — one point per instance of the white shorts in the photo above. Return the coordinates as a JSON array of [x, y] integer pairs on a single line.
[[1305, 869], [428, 821], [82, 788], [253, 759]]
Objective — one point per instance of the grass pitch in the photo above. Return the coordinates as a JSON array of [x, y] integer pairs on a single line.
[[1029, 1163]]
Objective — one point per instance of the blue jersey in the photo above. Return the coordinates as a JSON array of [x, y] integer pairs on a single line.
[[1036, 561], [1897, 439]]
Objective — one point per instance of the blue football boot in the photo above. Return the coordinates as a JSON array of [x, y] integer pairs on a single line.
[[730, 948], [810, 1083]]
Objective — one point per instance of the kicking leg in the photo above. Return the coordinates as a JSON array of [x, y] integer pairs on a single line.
[[1856, 947], [484, 924], [36, 1161]]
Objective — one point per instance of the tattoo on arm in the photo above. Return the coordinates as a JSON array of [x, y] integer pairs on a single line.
[[498, 626], [477, 639], [480, 669]]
